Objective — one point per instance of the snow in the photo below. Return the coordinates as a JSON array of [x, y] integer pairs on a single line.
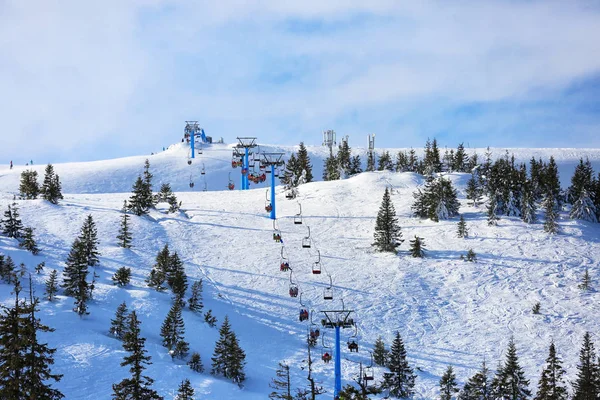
[[448, 311]]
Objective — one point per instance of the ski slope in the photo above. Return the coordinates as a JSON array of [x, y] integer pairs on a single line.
[[447, 311]]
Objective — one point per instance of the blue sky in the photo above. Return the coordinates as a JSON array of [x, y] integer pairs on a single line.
[[94, 80]]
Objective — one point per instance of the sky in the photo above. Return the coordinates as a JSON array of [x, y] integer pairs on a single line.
[[89, 80]]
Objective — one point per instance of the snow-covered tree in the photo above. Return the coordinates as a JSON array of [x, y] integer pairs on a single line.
[[29, 187], [118, 325], [12, 225], [462, 231], [51, 188], [549, 206], [173, 331], [303, 161], [388, 234], [380, 353], [584, 208], [400, 381], [448, 387], [28, 242], [124, 236]]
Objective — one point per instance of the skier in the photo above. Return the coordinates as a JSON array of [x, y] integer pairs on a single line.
[[10, 164]]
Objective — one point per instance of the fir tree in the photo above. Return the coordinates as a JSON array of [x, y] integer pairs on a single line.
[[28, 242], [344, 157], [75, 276], [8, 270], [528, 205], [40, 267], [13, 227], [29, 188], [471, 256], [122, 276], [462, 231], [536, 308], [290, 175], [585, 281], [388, 235], [477, 387], [160, 270], [304, 165], [448, 387], [331, 170], [173, 331], [401, 162], [138, 387], [281, 383], [552, 382], [89, 239], [147, 176], [400, 381], [138, 203], [380, 353], [581, 180], [118, 325], [549, 206], [550, 180], [176, 277], [584, 208], [461, 159], [51, 188], [195, 363], [586, 387], [210, 319], [473, 191], [355, 165], [438, 200], [52, 285], [371, 161], [228, 358], [511, 208], [510, 379], [124, 236], [163, 194], [416, 247], [219, 359], [385, 162], [492, 216], [195, 301], [185, 391]]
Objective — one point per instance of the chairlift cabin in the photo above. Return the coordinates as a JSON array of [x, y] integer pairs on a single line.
[[284, 263], [191, 181], [205, 187], [203, 170], [200, 149], [352, 342], [298, 217], [328, 291], [289, 194], [316, 269], [230, 185], [268, 205], [306, 241], [368, 374], [276, 233]]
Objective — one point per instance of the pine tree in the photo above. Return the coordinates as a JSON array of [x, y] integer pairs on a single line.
[[586, 387], [173, 331], [160, 270], [551, 181], [163, 194], [122, 276], [228, 358], [89, 239], [28, 242], [400, 381], [492, 216], [210, 319], [448, 387], [137, 202], [8, 270], [355, 165], [52, 285], [281, 383], [331, 170], [471, 256], [510, 379], [304, 165], [385, 162], [176, 277], [473, 191], [51, 188], [195, 363], [371, 161], [581, 180], [416, 247], [236, 361], [344, 157], [461, 159], [13, 227], [477, 387], [388, 234], [584, 208], [380, 353], [549, 206], [528, 205], [29, 188], [40, 267], [185, 391], [438, 200], [462, 231], [147, 177], [552, 382], [124, 236], [138, 387], [219, 358], [118, 325], [195, 301], [585, 281], [75, 276]]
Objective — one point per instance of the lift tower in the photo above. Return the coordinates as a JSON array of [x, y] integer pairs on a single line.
[[371, 154], [272, 160], [193, 130], [245, 143], [329, 139], [336, 319]]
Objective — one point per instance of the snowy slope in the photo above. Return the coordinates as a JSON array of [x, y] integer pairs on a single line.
[[447, 311]]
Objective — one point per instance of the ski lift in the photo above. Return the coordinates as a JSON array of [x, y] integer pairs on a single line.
[[293, 287], [368, 372], [284, 264], [191, 182], [230, 185], [276, 233], [202, 171], [306, 241], [289, 194], [205, 187], [276, 172], [352, 343], [298, 217], [268, 205], [325, 352], [244, 170], [328, 291], [303, 311], [316, 269], [200, 149]]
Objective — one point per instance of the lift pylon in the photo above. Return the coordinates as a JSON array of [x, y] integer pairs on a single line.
[[336, 319], [245, 143], [272, 160]]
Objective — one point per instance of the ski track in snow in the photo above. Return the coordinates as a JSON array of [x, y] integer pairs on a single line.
[[447, 311]]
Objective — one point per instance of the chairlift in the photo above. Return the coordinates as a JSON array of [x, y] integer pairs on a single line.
[[276, 233], [303, 311], [298, 217], [284, 264], [202, 171], [325, 352], [316, 269], [276, 172], [293, 287], [205, 187], [230, 185], [306, 241], [368, 371], [290, 194], [268, 205], [352, 342], [200, 149], [328, 291], [191, 182]]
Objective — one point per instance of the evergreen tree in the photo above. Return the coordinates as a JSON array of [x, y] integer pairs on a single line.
[[51, 188], [29, 188], [304, 165], [549, 206], [355, 165], [137, 202], [438, 200], [118, 325], [463, 231], [510, 382], [138, 387], [124, 236], [281, 383], [385, 162], [28, 242], [552, 382], [581, 180], [75, 276], [235, 361], [528, 205], [176, 277], [473, 191], [290, 175], [228, 358], [550, 181], [343, 157], [471, 256], [585, 281], [185, 391], [477, 387], [195, 301], [89, 239], [195, 362], [210, 319], [380, 353], [147, 176], [219, 359], [401, 161], [163, 194], [492, 216], [40, 267], [413, 160], [13, 227], [586, 387], [8, 269], [331, 171], [400, 381], [448, 387], [416, 247], [584, 208], [122, 276], [511, 206], [461, 159], [160, 270], [173, 331], [388, 234], [52, 285], [371, 161]]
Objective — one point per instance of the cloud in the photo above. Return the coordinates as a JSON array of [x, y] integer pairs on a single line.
[[123, 76]]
